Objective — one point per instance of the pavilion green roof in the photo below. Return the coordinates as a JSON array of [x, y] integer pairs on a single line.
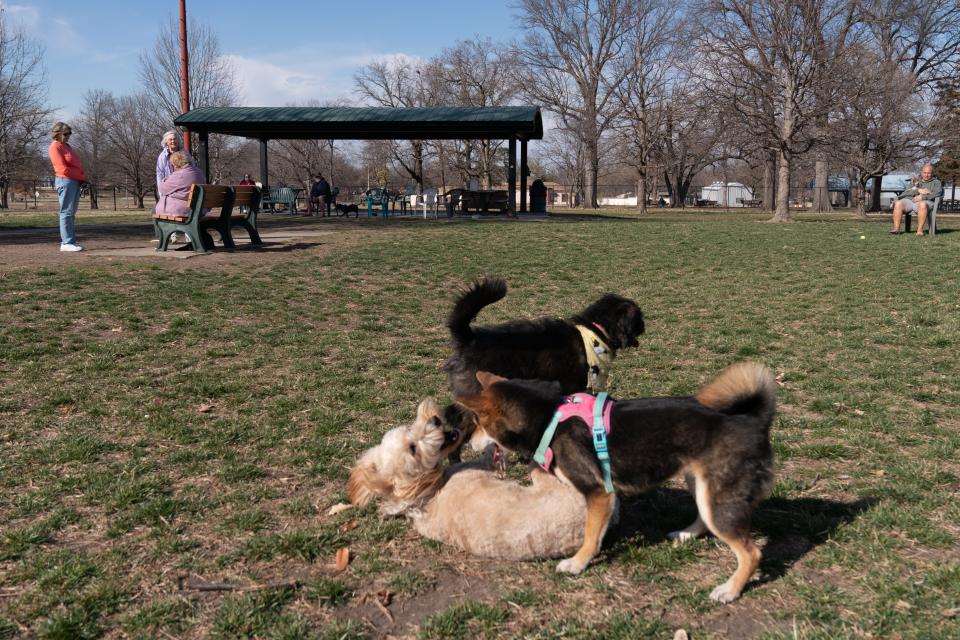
[[367, 123]]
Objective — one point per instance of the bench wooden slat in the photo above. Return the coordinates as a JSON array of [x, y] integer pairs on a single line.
[[214, 195], [244, 195]]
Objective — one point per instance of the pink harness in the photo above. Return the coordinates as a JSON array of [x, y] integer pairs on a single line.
[[579, 405]]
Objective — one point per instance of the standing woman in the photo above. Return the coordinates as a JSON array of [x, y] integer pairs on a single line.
[[69, 172]]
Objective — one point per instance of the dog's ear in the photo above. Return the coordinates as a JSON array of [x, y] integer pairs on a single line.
[[485, 378], [428, 411], [364, 484]]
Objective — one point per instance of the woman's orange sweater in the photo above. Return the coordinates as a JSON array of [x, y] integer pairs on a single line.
[[66, 164]]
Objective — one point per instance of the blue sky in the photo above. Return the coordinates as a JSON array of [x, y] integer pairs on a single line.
[[95, 44]]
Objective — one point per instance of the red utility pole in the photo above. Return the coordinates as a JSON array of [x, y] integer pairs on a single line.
[[184, 70]]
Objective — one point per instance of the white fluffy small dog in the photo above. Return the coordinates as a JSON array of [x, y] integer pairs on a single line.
[[466, 505]]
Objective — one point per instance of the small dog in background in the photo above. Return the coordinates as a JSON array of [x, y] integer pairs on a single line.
[[347, 209], [719, 439], [466, 505], [577, 352]]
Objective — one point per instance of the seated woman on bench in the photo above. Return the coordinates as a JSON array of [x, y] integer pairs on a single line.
[[175, 188]]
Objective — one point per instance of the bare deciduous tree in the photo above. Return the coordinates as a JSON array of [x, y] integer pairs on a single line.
[[768, 52], [134, 145], [24, 116], [569, 62], [921, 38], [648, 61], [91, 128], [398, 83], [475, 73], [212, 78]]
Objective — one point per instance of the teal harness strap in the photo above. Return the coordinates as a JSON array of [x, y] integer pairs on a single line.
[[600, 441], [543, 455]]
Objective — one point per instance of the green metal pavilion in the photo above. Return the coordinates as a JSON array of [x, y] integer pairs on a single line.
[[515, 123]]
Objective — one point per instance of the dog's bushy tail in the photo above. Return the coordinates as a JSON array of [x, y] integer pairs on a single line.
[[468, 305], [742, 388]]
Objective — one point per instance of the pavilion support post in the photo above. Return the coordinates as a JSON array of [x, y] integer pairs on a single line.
[[205, 155], [512, 174], [264, 175], [524, 172]]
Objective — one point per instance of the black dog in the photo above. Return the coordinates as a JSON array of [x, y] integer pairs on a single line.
[[347, 209], [719, 439], [544, 349]]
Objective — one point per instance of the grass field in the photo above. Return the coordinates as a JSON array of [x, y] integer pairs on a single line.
[[161, 427]]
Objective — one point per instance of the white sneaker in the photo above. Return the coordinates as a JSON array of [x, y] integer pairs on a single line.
[[70, 247]]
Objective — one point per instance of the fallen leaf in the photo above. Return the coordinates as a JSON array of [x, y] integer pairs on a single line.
[[858, 412], [337, 508], [779, 380], [880, 472], [349, 526], [385, 597], [343, 558], [950, 613], [205, 408], [66, 408], [903, 605], [117, 329], [681, 635]]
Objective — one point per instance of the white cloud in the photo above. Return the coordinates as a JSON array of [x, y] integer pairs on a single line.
[[24, 15], [299, 76]]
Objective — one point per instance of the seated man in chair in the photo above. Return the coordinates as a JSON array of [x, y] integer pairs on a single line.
[[919, 197]]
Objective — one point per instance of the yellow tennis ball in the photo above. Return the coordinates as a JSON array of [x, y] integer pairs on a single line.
[[863, 237]]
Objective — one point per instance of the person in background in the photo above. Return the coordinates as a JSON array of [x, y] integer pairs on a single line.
[[247, 181], [70, 175], [175, 188], [170, 144], [320, 195], [919, 197]]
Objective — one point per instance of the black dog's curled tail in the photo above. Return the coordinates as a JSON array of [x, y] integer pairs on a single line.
[[468, 305], [742, 388]]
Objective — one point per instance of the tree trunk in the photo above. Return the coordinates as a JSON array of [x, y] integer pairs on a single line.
[[94, 203], [769, 181], [590, 179], [4, 189], [861, 196], [875, 193], [641, 191], [782, 212], [821, 185]]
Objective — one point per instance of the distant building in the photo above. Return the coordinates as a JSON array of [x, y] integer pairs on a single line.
[[727, 194]]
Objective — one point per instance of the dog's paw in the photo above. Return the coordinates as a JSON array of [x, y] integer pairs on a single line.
[[681, 536], [571, 565], [724, 593]]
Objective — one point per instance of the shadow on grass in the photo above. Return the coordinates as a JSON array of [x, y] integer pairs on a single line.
[[793, 526]]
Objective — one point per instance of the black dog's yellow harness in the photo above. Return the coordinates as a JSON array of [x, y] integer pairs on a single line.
[[599, 358]]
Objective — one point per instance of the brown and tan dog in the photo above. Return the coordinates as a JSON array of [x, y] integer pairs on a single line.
[[466, 505], [719, 440]]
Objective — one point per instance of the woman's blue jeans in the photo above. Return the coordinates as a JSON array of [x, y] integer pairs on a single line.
[[69, 193]]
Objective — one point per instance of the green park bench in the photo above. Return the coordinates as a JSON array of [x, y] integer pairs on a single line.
[[204, 201], [283, 196]]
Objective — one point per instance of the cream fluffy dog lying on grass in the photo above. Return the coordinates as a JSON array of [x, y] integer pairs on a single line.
[[466, 505]]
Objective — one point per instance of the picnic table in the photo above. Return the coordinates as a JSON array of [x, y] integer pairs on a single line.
[[480, 200]]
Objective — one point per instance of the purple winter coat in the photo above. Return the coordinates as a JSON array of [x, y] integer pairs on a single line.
[[175, 191]]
